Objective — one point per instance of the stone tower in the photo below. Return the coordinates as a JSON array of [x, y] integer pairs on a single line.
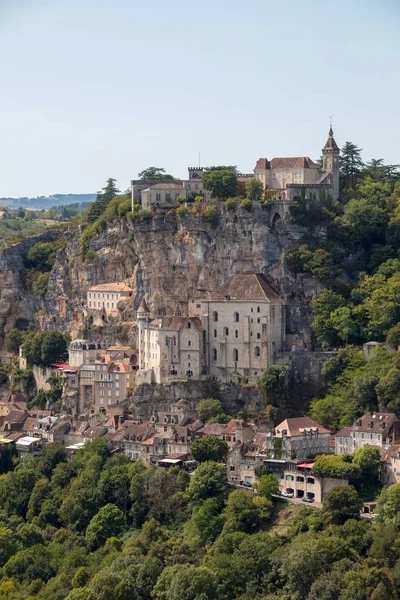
[[330, 162], [143, 320]]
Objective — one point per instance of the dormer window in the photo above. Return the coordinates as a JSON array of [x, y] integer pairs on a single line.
[[369, 425]]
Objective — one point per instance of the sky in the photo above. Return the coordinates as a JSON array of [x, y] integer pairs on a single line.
[[92, 89]]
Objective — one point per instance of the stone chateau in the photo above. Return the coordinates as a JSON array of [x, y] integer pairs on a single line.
[[283, 178]]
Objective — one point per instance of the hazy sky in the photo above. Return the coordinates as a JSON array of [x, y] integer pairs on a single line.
[[97, 88]]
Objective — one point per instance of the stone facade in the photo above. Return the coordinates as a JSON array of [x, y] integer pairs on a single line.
[[108, 297], [300, 175], [164, 193], [298, 438], [379, 430]]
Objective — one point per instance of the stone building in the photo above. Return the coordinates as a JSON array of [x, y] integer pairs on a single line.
[[164, 193], [293, 176], [113, 382], [82, 352], [244, 323], [374, 429], [298, 438], [169, 347], [108, 297]]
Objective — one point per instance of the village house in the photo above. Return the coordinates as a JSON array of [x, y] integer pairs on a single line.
[[129, 437], [374, 429], [109, 298], [113, 382], [298, 480], [82, 352], [343, 444], [178, 413], [390, 466], [298, 438]]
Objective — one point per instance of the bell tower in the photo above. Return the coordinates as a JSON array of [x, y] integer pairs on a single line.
[[330, 162]]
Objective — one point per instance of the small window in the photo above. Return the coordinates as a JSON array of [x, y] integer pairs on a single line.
[[215, 354], [236, 333], [300, 479], [189, 324], [236, 355], [252, 309], [310, 480], [226, 331], [236, 317], [167, 197], [259, 336], [215, 316], [258, 309], [258, 320], [215, 333], [257, 351], [189, 342]]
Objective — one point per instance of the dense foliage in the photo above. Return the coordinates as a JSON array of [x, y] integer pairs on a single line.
[[99, 526]]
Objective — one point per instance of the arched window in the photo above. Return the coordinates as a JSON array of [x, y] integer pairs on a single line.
[[215, 354], [189, 325], [259, 336], [236, 317], [258, 320], [236, 355], [215, 316], [258, 309], [257, 351], [226, 331], [236, 333]]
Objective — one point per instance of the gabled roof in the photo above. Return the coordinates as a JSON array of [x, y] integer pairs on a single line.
[[296, 427], [378, 422], [246, 287], [263, 163], [110, 287], [176, 323], [345, 432], [296, 162], [233, 425]]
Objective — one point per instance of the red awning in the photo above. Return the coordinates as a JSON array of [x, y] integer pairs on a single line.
[[306, 466]]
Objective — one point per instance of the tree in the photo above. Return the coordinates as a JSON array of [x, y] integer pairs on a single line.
[[341, 503], [272, 381], [209, 448], [186, 582], [8, 545], [267, 485], [245, 512], [222, 183], [393, 336], [209, 408], [103, 198], [351, 164], [335, 465], [14, 340], [388, 505], [208, 481], [324, 305], [254, 190], [109, 522], [369, 461], [54, 348], [155, 173]]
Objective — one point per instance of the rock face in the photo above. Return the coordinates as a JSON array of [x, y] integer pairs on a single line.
[[168, 260], [17, 305]]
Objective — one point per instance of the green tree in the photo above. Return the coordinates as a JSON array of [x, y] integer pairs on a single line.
[[155, 173], [272, 381], [209, 448], [335, 465], [209, 408], [393, 336], [14, 339], [245, 512], [54, 348], [341, 503], [369, 461], [109, 522], [103, 198], [388, 505], [267, 485], [351, 164], [8, 545], [186, 582], [222, 183], [323, 307], [208, 481], [254, 190]]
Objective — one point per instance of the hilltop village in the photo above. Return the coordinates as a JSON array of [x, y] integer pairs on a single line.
[[232, 335]]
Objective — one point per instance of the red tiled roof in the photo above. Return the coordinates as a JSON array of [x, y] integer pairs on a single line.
[[248, 287], [263, 163], [143, 308], [295, 427], [345, 432], [296, 162], [371, 422]]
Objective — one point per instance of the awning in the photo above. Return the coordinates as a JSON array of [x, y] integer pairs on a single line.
[[306, 466], [172, 461]]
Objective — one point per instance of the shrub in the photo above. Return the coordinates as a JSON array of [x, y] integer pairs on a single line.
[[181, 199], [39, 287], [210, 214], [230, 204], [181, 211], [246, 204], [90, 255]]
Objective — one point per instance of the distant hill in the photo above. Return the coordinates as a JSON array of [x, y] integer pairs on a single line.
[[47, 201]]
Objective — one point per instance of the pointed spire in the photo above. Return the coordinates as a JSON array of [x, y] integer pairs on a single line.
[[143, 308], [330, 129], [330, 144]]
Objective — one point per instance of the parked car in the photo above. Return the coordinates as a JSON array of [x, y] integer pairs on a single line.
[[287, 494], [247, 484], [307, 499]]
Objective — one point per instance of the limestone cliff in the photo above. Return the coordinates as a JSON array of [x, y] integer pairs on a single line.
[[167, 259]]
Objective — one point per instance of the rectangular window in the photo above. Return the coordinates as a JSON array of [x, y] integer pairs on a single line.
[[167, 197]]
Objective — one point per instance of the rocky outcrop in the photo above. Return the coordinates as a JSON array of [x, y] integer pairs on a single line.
[[17, 304], [168, 260]]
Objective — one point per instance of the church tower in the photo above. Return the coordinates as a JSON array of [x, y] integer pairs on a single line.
[[330, 162]]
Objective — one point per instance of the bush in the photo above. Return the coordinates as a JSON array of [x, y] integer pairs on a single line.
[[210, 214], [181, 211], [14, 340], [230, 204], [40, 286], [91, 255], [246, 204]]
